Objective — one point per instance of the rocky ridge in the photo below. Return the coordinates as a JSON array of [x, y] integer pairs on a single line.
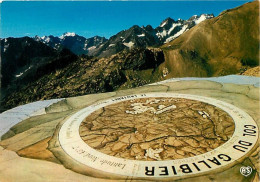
[[75, 43], [133, 37], [147, 36]]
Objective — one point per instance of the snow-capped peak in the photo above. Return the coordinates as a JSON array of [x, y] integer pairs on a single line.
[[202, 17], [21, 73], [45, 39], [68, 34], [163, 24], [170, 29], [166, 21]]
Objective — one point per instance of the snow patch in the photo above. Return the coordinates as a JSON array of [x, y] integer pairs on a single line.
[[6, 47], [129, 44], [163, 24], [85, 46], [142, 35], [173, 26], [91, 48], [47, 40], [56, 46], [123, 39], [200, 19], [111, 45], [184, 28], [21, 73], [68, 34], [44, 39], [161, 34]]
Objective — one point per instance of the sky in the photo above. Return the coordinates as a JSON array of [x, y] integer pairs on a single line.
[[90, 18]]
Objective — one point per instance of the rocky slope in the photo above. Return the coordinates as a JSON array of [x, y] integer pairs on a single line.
[[19, 56], [24, 60], [85, 75], [255, 71], [222, 45]]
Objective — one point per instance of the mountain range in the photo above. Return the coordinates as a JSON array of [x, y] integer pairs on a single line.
[[70, 65], [32, 53], [77, 44], [135, 36]]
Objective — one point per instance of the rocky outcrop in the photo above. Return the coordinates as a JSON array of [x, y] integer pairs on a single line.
[[252, 72]]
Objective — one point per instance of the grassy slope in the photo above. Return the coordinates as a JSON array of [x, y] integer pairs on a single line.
[[219, 46]]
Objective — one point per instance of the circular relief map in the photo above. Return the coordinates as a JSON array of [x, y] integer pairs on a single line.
[[158, 135], [157, 128]]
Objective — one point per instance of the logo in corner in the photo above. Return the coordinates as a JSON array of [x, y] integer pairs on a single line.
[[246, 171]]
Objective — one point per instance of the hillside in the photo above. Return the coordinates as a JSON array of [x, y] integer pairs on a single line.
[[85, 75], [222, 45], [18, 55]]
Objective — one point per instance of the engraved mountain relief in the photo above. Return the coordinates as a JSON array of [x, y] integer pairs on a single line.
[[157, 129]]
